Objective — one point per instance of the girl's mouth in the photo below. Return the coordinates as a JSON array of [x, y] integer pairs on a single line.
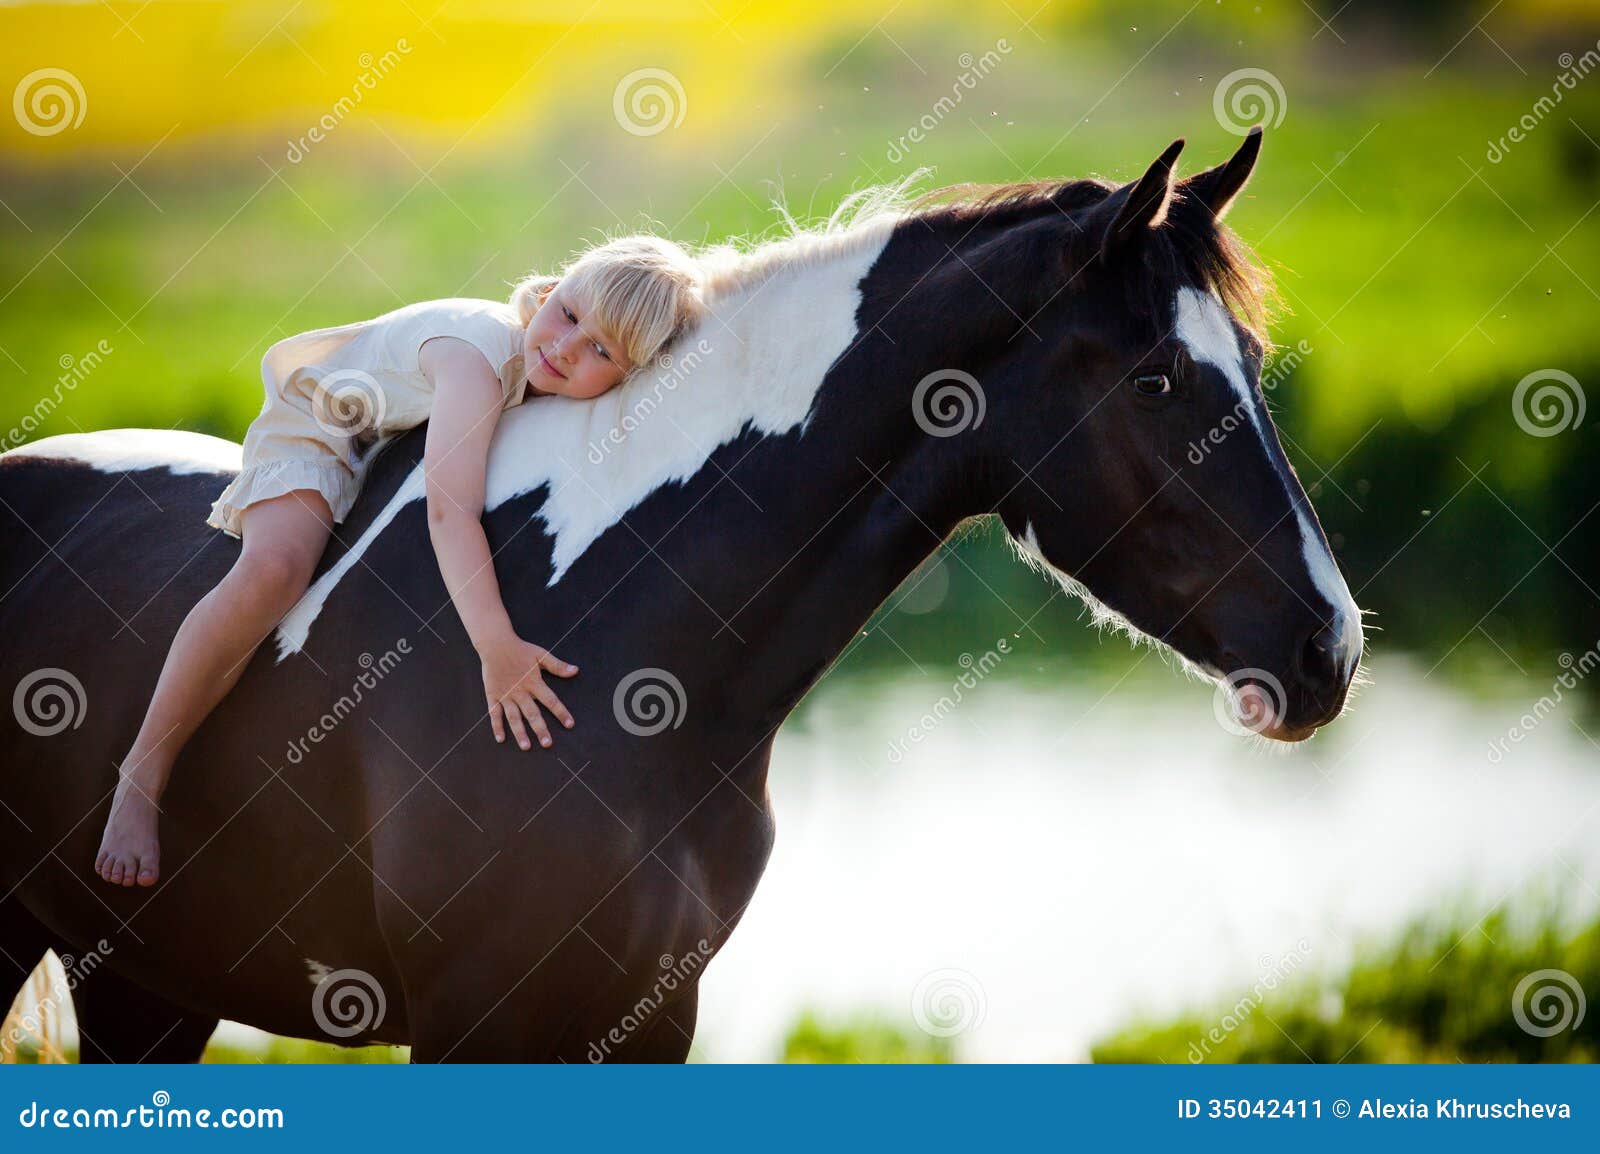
[[544, 362]]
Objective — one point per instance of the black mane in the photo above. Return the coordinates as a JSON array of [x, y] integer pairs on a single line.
[[1192, 246]]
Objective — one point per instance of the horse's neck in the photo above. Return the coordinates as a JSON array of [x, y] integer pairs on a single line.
[[850, 495]]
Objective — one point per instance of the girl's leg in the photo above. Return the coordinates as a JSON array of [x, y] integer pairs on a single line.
[[283, 540]]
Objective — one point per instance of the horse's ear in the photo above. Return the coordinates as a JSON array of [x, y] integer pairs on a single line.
[[1146, 206], [1217, 187]]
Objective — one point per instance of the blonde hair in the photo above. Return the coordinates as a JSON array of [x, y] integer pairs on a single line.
[[643, 290]]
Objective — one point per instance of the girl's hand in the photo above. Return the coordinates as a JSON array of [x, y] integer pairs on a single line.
[[513, 681]]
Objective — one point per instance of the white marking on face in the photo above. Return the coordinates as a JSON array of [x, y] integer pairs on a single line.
[[1204, 326], [128, 450], [759, 358], [317, 970], [1206, 330]]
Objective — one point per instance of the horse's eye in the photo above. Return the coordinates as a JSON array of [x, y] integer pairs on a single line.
[[1154, 385]]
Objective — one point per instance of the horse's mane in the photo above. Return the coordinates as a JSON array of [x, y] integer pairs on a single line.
[[1191, 245]]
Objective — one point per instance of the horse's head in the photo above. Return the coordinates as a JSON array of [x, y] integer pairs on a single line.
[[1139, 460]]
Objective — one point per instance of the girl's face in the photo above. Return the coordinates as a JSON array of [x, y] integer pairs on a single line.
[[569, 356]]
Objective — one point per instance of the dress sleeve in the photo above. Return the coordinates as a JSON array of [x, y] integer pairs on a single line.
[[497, 337]]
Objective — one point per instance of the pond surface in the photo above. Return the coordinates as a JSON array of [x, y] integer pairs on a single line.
[[1056, 856]]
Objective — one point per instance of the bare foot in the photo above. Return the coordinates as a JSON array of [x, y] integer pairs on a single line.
[[129, 850]]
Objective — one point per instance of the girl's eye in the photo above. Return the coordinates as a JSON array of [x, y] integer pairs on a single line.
[[1153, 385], [599, 349]]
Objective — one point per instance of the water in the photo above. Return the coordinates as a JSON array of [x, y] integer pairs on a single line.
[[1059, 854], [1083, 856]]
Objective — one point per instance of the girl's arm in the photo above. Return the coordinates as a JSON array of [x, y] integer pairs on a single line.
[[466, 407]]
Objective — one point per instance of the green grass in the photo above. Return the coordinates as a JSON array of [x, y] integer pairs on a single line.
[[1441, 991]]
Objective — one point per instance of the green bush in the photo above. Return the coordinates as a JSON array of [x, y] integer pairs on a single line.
[[1442, 992]]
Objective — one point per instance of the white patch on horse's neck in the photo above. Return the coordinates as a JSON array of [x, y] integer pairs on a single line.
[[755, 361], [128, 450], [1206, 330]]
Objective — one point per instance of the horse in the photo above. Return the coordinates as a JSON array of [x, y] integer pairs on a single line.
[[349, 856]]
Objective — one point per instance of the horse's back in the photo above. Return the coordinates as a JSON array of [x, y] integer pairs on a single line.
[[103, 551], [95, 525]]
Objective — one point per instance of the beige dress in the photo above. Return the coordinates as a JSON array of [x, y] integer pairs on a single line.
[[332, 393]]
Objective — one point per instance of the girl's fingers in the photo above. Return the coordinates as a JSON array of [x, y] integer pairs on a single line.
[[497, 721], [514, 717], [557, 666], [530, 710], [553, 704]]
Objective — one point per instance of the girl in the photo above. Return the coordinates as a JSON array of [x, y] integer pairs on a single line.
[[331, 393]]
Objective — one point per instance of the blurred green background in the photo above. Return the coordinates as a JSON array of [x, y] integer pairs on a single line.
[[181, 184]]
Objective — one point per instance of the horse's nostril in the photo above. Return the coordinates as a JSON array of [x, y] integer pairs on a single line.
[[1320, 657]]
